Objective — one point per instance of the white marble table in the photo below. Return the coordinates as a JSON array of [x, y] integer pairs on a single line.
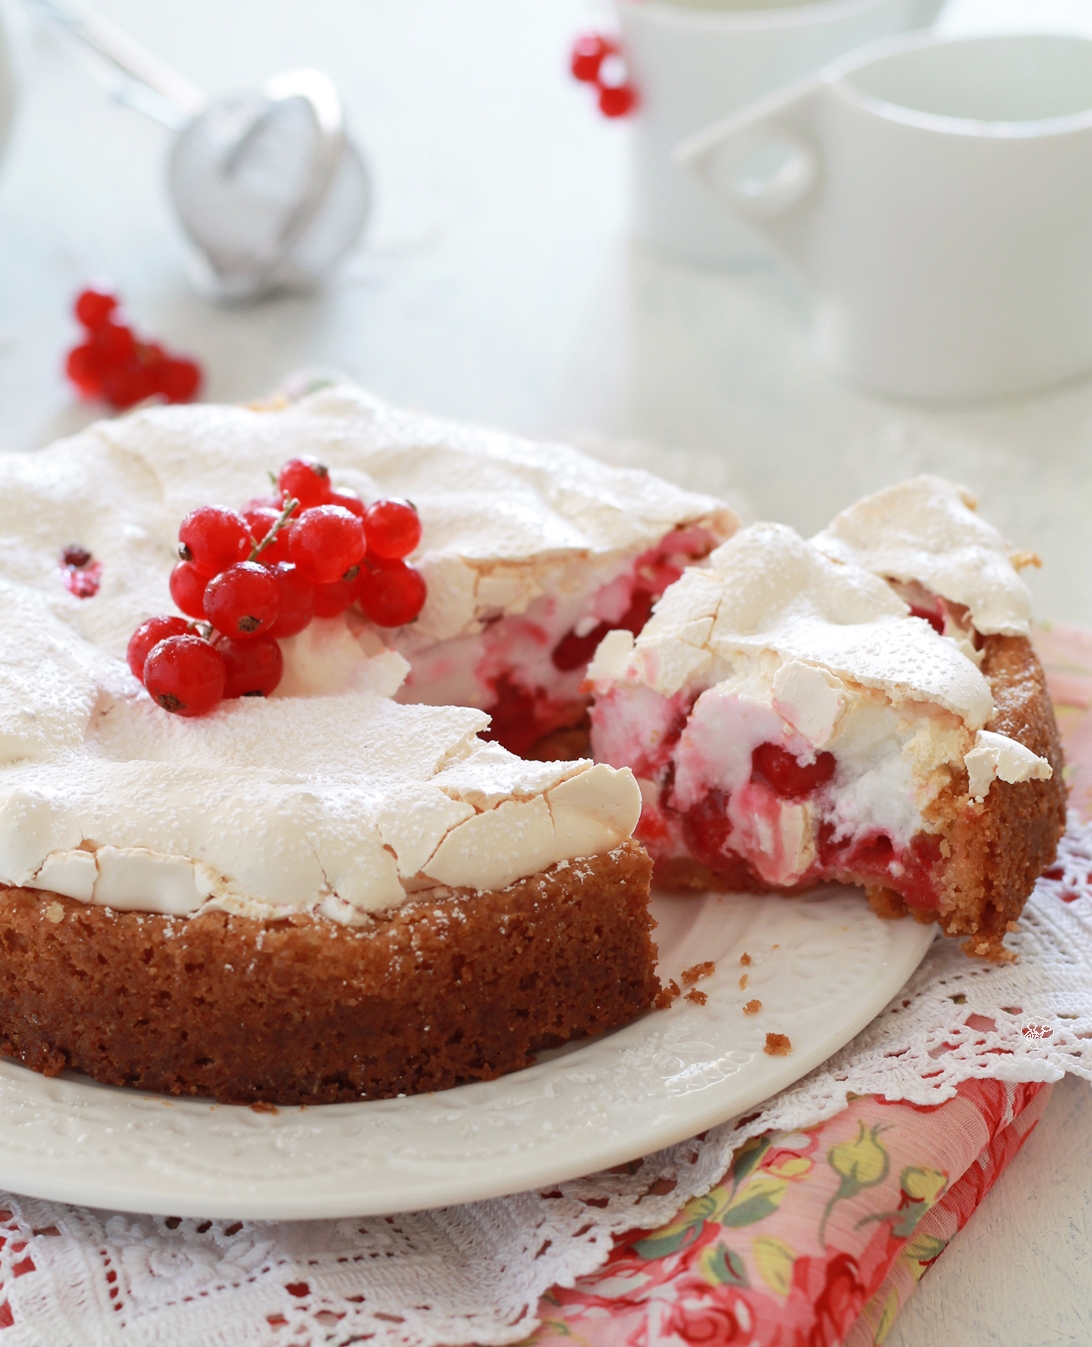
[[498, 285]]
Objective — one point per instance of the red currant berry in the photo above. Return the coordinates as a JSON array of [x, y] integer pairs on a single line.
[[392, 528], [243, 601], [327, 541], [259, 522], [148, 634], [305, 480], [82, 368], [253, 668], [297, 601], [188, 588], [185, 675], [587, 55], [330, 600], [95, 308], [177, 379], [617, 100], [390, 593], [347, 501], [213, 538]]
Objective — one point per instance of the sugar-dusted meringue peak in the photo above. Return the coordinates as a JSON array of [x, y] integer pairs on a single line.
[[768, 591], [334, 797], [926, 529]]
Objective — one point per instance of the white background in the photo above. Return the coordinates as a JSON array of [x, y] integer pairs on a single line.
[[497, 284]]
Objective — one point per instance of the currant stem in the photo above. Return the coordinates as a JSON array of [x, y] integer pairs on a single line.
[[282, 520]]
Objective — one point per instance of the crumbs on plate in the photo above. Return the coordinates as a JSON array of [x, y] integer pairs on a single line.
[[777, 1045], [699, 970], [752, 1007]]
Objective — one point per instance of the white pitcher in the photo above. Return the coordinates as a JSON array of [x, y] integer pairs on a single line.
[[936, 196], [693, 63]]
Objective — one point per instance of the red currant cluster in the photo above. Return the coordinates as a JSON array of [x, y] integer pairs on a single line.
[[111, 363], [253, 578], [598, 60]]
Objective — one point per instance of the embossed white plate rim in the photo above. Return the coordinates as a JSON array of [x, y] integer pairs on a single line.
[[666, 1077]]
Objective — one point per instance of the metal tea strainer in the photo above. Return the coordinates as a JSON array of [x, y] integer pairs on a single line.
[[267, 184]]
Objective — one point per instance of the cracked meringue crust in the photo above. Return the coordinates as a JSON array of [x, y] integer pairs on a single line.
[[458, 986]]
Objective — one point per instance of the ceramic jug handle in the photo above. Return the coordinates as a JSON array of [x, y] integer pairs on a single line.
[[719, 156]]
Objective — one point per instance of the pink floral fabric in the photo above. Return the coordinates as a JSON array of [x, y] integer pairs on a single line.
[[812, 1239], [817, 1238]]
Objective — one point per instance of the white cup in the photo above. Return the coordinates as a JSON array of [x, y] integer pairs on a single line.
[[693, 64], [936, 196]]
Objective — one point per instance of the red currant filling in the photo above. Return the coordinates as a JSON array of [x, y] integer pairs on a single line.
[[788, 776], [573, 652]]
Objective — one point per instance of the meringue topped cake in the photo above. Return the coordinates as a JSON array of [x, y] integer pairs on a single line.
[[864, 707], [337, 891]]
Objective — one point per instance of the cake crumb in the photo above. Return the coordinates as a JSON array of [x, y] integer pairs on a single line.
[[54, 913], [777, 1045], [696, 971], [668, 995], [698, 997], [752, 1007], [262, 1107], [744, 959], [743, 982]]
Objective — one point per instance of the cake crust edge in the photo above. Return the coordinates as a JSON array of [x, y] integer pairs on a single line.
[[451, 987]]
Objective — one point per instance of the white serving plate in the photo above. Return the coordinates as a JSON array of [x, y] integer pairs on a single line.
[[822, 966]]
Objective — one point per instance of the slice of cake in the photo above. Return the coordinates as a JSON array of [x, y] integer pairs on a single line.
[[326, 894], [864, 707], [531, 552]]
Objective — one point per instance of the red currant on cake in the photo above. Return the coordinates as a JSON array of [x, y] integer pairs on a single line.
[[213, 538], [347, 500], [327, 542], [243, 601], [149, 634], [330, 600], [297, 605], [252, 668], [185, 675], [390, 593], [187, 586], [392, 528], [307, 480]]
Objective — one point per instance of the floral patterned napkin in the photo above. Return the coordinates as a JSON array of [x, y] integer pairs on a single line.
[[817, 1238]]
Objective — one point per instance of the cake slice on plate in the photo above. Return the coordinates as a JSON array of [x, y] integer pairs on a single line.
[[864, 707]]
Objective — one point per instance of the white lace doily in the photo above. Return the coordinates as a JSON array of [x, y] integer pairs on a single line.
[[475, 1273]]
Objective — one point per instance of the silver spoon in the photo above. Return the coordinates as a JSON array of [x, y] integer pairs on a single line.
[[267, 184]]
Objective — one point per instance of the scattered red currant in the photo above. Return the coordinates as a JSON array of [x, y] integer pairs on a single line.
[[82, 573], [327, 542], [94, 308], [149, 634], [390, 593], [297, 606], [112, 363], [252, 668], [392, 528], [587, 55], [188, 588], [213, 538], [307, 480], [185, 675], [243, 601], [617, 96]]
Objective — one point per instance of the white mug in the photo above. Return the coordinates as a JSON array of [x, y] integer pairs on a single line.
[[695, 63], [936, 196]]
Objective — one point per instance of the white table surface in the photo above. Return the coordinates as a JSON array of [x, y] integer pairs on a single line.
[[497, 284]]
